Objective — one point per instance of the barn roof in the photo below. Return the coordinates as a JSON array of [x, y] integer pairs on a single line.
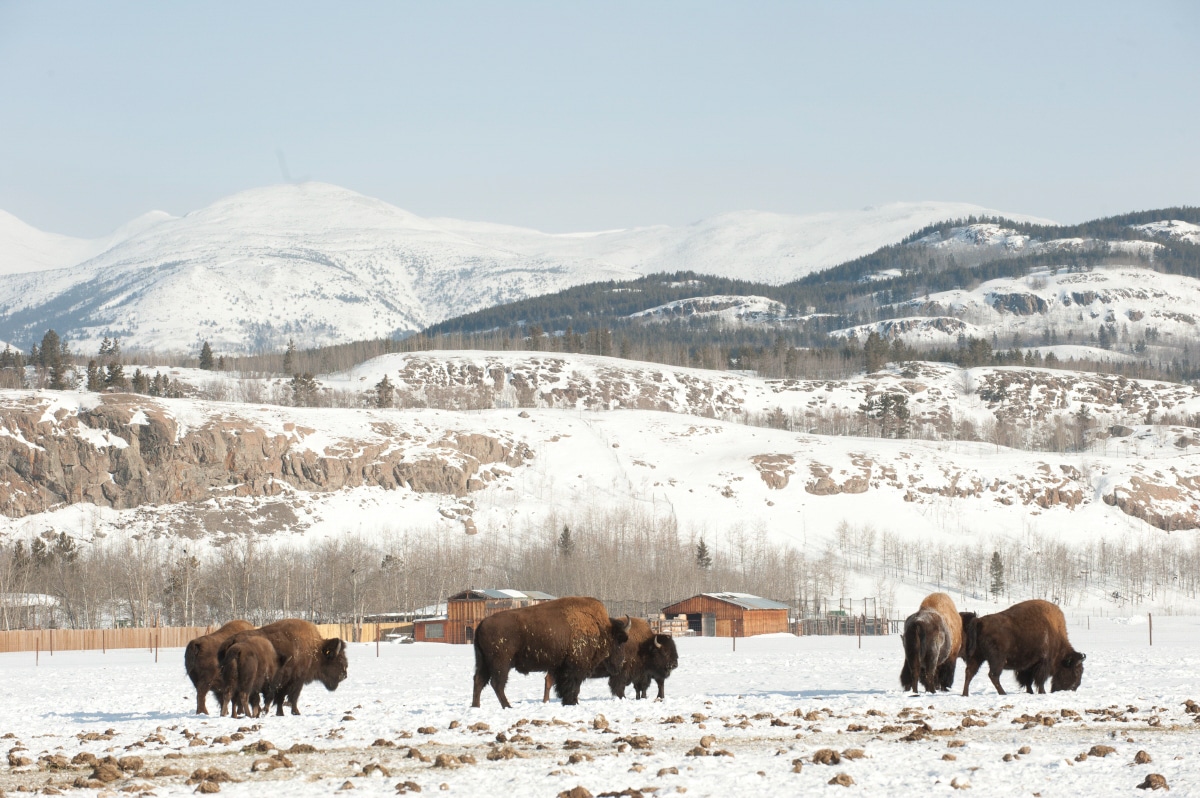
[[503, 593], [748, 601]]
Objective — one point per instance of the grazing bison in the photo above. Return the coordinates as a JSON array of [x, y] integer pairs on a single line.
[[249, 668], [569, 638], [646, 656], [933, 638], [200, 660], [304, 657], [1029, 638]]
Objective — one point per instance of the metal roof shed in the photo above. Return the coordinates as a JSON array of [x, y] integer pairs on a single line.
[[730, 614]]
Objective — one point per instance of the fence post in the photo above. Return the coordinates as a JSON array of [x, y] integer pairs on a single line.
[[1149, 616], [37, 651], [103, 645], [52, 642], [156, 647], [376, 641]]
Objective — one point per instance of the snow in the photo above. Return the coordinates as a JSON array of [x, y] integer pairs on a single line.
[[755, 701], [1176, 229], [320, 264]]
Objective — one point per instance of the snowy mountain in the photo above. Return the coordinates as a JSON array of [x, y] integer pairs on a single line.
[[321, 264]]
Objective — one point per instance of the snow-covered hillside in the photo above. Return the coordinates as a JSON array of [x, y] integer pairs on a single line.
[[561, 441], [321, 264], [1052, 307]]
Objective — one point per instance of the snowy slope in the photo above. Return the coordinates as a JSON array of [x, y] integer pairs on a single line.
[[1060, 307], [595, 443], [321, 264], [26, 249]]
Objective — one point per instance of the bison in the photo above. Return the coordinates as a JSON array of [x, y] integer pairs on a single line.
[[304, 657], [1029, 638], [200, 660], [932, 644], [647, 656], [569, 638], [249, 668]]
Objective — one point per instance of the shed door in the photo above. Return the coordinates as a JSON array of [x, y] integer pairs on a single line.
[[470, 630], [709, 624]]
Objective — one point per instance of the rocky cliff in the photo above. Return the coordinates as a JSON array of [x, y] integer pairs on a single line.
[[125, 451]]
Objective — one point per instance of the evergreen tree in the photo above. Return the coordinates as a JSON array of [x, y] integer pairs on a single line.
[[997, 569], [304, 390], [114, 377], [140, 382], [384, 391], [876, 351], [289, 358], [703, 557], [95, 381], [566, 543], [206, 357]]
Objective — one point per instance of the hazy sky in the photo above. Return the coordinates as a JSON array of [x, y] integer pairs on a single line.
[[571, 116]]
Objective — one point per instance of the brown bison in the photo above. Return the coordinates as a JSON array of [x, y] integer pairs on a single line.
[[200, 660], [1029, 638], [646, 656], [249, 668], [932, 644], [569, 638], [304, 657]]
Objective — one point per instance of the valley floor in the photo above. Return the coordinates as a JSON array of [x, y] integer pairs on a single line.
[[774, 701]]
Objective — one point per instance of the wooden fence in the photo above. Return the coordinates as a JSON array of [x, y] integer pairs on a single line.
[[151, 637]]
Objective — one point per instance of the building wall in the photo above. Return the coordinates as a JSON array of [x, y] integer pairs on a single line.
[[731, 618]]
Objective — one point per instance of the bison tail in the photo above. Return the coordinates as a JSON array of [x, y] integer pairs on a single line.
[[189, 660]]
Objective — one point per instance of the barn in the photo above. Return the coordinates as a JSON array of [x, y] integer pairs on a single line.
[[465, 610], [730, 614]]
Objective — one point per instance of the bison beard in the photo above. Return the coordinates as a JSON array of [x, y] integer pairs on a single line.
[[200, 660], [249, 668], [646, 656], [569, 638], [1029, 638], [305, 657], [932, 644]]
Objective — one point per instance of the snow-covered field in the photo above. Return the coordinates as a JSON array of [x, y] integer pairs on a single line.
[[774, 701]]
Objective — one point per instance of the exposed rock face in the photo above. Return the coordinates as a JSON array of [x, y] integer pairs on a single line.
[[1019, 304], [128, 451]]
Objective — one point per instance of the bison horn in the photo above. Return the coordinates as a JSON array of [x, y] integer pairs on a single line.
[[628, 621], [657, 642]]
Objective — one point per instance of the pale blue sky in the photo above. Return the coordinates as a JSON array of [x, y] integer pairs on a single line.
[[573, 116]]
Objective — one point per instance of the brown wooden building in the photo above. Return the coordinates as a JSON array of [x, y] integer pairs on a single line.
[[729, 614], [465, 610]]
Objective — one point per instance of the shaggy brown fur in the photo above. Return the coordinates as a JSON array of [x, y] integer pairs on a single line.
[[570, 638], [1029, 638], [200, 660], [249, 668], [304, 655], [646, 656], [933, 639]]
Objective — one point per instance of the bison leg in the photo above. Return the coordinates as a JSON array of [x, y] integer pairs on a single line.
[[994, 671], [946, 674], [972, 669], [481, 680], [499, 680], [223, 696], [567, 682], [546, 690], [662, 690], [201, 695]]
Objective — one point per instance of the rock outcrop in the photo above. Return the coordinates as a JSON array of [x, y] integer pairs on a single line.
[[126, 451]]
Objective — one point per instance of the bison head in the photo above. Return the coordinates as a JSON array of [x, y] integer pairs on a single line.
[[1069, 673], [659, 655], [332, 668], [620, 629]]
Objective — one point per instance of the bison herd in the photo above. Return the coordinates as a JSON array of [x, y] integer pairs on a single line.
[[1029, 638], [573, 639], [240, 664]]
